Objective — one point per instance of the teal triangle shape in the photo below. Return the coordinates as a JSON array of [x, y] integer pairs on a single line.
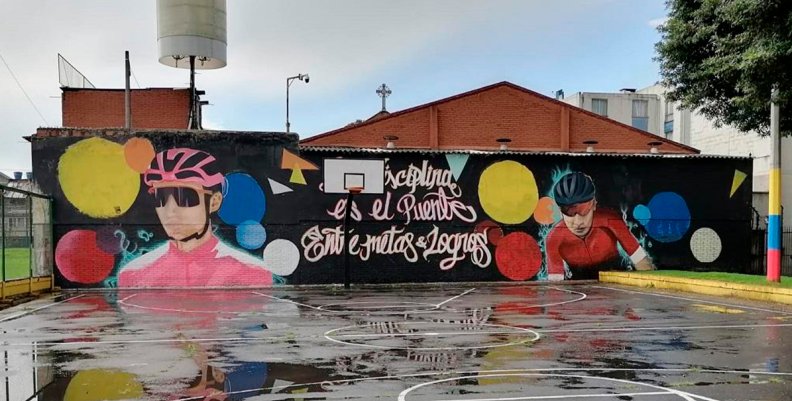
[[456, 162]]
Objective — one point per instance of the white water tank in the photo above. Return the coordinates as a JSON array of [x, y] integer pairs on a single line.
[[192, 28]]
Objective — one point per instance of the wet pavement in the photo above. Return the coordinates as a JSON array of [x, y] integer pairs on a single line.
[[422, 343]]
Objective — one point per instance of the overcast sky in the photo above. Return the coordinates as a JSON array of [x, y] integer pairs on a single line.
[[424, 50]]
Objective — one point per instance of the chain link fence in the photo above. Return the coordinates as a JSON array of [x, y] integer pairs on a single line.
[[26, 242]]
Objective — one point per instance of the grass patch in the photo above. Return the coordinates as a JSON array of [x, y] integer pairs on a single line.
[[749, 279], [17, 263]]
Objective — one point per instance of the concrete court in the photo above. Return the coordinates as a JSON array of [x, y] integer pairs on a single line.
[[450, 342]]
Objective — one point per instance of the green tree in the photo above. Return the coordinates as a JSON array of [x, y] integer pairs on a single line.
[[723, 57]]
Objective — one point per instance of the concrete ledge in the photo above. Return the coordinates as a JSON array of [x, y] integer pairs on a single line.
[[707, 287], [25, 286]]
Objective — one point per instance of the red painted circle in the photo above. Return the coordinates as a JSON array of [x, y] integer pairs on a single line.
[[493, 230], [80, 259], [518, 256]]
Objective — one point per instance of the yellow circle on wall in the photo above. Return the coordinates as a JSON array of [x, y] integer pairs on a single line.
[[101, 384], [507, 192], [96, 178]]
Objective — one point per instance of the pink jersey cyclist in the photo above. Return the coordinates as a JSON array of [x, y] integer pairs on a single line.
[[187, 189]]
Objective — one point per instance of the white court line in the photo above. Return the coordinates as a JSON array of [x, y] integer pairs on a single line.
[[664, 328], [469, 372], [378, 305], [517, 330], [18, 315], [693, 299], [573, 396], [158, 340], [286, 300], [427, 334], [453, 298], [154, 308], [685, 396]]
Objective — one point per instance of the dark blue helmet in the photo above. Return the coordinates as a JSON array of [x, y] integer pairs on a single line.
[[574, 188]]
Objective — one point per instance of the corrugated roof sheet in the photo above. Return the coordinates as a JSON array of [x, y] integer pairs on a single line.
[[515, 152]]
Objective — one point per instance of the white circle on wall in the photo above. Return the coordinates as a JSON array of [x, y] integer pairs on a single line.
[[706, 245], [281, 257]]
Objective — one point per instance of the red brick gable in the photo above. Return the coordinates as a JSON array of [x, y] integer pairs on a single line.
[[475, 119]]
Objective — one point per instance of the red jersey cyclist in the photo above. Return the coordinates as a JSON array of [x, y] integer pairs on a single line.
[[587, 237]]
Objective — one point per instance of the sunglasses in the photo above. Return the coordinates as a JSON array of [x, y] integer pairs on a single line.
[[183, 196], [580, 209]]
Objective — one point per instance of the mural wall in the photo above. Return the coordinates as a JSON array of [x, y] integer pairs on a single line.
[[220, 210]]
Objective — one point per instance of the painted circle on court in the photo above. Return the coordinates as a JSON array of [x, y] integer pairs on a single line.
[[431, 335], [670, 217], [706, 245], [281, 257], [80, 259], [518, 256], [547, 211], [507, 192], [539, 386], [96, 179], [243, 199], [138, 153]]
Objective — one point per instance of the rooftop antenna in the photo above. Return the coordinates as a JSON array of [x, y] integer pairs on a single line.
[[192, 34]]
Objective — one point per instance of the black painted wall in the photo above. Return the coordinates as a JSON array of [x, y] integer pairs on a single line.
[[438, 217]]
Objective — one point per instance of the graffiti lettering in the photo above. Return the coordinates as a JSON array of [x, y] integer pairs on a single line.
[[426, 177], [339, 210], [320, 242], [458, 245], [436, 206], [379, 209], [392, 241]]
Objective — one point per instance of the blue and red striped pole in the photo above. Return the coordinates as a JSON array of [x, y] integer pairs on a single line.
[[774, 207]]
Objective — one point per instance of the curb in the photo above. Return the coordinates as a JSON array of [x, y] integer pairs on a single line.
[[698, 286]]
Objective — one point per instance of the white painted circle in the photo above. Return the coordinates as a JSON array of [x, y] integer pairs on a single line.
[[615, 396], [706, 245], [378, 308], [435, 332], [281, 257]]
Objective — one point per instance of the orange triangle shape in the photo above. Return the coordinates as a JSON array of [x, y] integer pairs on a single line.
[[290, 160]]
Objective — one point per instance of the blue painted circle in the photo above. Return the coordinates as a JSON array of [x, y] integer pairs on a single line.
[[243, 199], [251, 234], [670, 217], [642, 214]]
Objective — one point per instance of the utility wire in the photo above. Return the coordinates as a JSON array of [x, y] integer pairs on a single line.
[[133, 76], [23, 90]]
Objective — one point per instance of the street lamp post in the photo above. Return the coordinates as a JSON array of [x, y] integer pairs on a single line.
[[301, 77]]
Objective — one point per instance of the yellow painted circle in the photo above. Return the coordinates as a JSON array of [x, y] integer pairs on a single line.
[[101, 384], [507, 192], [96, 178]]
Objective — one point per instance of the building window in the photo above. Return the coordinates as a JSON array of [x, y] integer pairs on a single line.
[[668, 128], [668, 125], [640, 114], [600, 106]]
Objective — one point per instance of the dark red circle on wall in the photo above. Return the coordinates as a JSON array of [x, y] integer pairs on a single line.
[[518, 256], [494, 232], [80, 259]]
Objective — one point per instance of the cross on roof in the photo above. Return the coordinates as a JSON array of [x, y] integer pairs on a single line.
[[383, 91]]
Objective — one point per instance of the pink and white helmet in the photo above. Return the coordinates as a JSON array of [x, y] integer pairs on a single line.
[[181, 165]]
